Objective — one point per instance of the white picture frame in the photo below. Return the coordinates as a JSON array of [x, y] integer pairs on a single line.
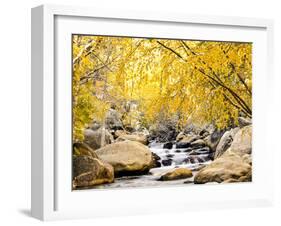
[[51, 198]]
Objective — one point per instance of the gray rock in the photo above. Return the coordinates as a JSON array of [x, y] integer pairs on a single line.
[[113, 120], [88, 171], [213, 140], [180, 136], [190, 138], [225, 142], [95, 125], [80, 149], [156, 161], [244, 121], [94, 138], [168, 145], [167, 162], [183, 144], [200, 151], [198, 143], [163, 130], [133, 137], [242, 141]]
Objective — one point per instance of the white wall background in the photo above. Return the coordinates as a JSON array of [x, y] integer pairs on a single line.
[[15, 112]]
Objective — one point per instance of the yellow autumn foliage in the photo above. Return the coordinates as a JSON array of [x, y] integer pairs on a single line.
[[202, 81]]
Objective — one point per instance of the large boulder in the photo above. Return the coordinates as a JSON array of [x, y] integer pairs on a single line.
[[88, 171], [133, 137], [230, 167], [94, 138], [213, 139], [178, 173], [242, 141], [83, 149], [127, 157], [234, 165], [225, 142]]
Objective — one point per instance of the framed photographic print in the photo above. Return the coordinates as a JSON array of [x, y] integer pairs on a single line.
[[136, 113]]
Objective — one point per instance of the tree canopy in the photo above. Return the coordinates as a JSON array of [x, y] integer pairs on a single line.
[[202, 81]]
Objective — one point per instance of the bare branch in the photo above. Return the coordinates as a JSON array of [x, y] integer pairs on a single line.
[[166, 47]]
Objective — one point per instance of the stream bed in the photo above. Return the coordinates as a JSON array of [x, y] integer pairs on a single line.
[[168, 159]]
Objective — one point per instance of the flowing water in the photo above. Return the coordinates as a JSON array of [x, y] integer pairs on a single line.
[[168, 159]]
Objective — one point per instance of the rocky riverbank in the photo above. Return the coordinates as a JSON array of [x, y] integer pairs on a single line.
[[112, 157]]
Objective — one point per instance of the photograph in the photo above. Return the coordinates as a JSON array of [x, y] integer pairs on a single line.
[[155, 112]]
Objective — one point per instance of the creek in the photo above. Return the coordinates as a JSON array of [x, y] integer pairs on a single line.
[[168, 159]]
